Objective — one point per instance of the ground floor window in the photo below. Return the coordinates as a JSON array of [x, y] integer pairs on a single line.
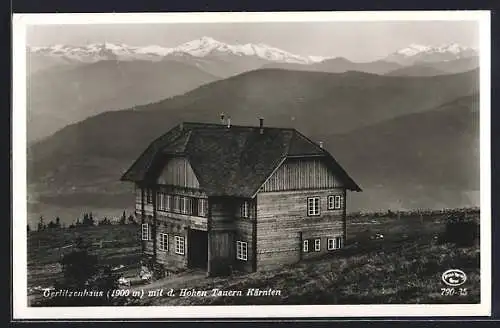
[[163, 242], [179, 245], [241, 250], [145, 231], [317, 245], [305, 246], [334, 243]]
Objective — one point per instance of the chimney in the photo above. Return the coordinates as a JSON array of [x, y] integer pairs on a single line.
[[261, 125], [228, 122], [222, 118], [321, 144]]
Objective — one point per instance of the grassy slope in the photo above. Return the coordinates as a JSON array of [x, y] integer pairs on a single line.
[[405, 266], [404, 272], [45, 248]]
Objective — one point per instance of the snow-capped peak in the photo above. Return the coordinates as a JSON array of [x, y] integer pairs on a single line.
[[413, 49], [444, 52], [202, 47]]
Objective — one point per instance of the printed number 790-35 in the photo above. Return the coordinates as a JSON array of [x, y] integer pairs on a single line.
[[453, 291]]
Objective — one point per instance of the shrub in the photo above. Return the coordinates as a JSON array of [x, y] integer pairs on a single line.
[[158, 271], [460, 230], [83, 274]]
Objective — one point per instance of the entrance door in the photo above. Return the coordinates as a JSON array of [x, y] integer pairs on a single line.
[[198, 249]]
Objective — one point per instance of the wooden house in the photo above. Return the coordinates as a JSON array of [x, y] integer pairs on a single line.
[[219, 197]]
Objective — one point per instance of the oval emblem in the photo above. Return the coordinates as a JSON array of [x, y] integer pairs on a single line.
[[454, 277]]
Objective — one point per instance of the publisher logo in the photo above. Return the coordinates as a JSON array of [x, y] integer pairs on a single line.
[[454, 277]]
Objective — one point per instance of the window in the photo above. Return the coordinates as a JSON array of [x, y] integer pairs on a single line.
[[244, 210], [138, 195], [179, 245], [338, 202], [334, 202], [313, 206], [163, 201], [305, 246], [186, 205], [338, 242], [202, 207], [149, 196], [163, 243], [317, 245], [145, 231], [177, 204], [159, 201], [334, 243], [331, 202], [166, 202], [241, 250]]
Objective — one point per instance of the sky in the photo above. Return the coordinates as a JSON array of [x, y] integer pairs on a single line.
[[357, 41]]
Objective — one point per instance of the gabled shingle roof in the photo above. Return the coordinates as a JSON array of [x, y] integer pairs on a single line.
[[233, 161]]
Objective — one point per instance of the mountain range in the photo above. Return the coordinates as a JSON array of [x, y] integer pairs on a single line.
[[408, 141], [209, 47], [67, 84]]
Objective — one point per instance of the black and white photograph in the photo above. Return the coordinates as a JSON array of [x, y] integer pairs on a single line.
[[225, 165]]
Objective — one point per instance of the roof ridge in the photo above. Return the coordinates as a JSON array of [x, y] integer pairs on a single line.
[[202, 124], [311, 141]]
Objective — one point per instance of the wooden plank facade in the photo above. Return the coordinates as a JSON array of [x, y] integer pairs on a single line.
[[186, 228]]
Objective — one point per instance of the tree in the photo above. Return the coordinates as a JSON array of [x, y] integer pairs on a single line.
[[461, 230], [105, 221], [41, 225], [51, 225], [123, 219], [85, 220], [58, 222]]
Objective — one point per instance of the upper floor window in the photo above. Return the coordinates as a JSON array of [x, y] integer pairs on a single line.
[[244, 209], [159, 201], [138, 194], [163, 201], [203, 207], [149, 196], [334, 202], [185, 205], [313, 206], [182, 204], [176, 206]]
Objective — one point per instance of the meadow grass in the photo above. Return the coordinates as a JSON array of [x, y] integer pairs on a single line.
[[403, 267]]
